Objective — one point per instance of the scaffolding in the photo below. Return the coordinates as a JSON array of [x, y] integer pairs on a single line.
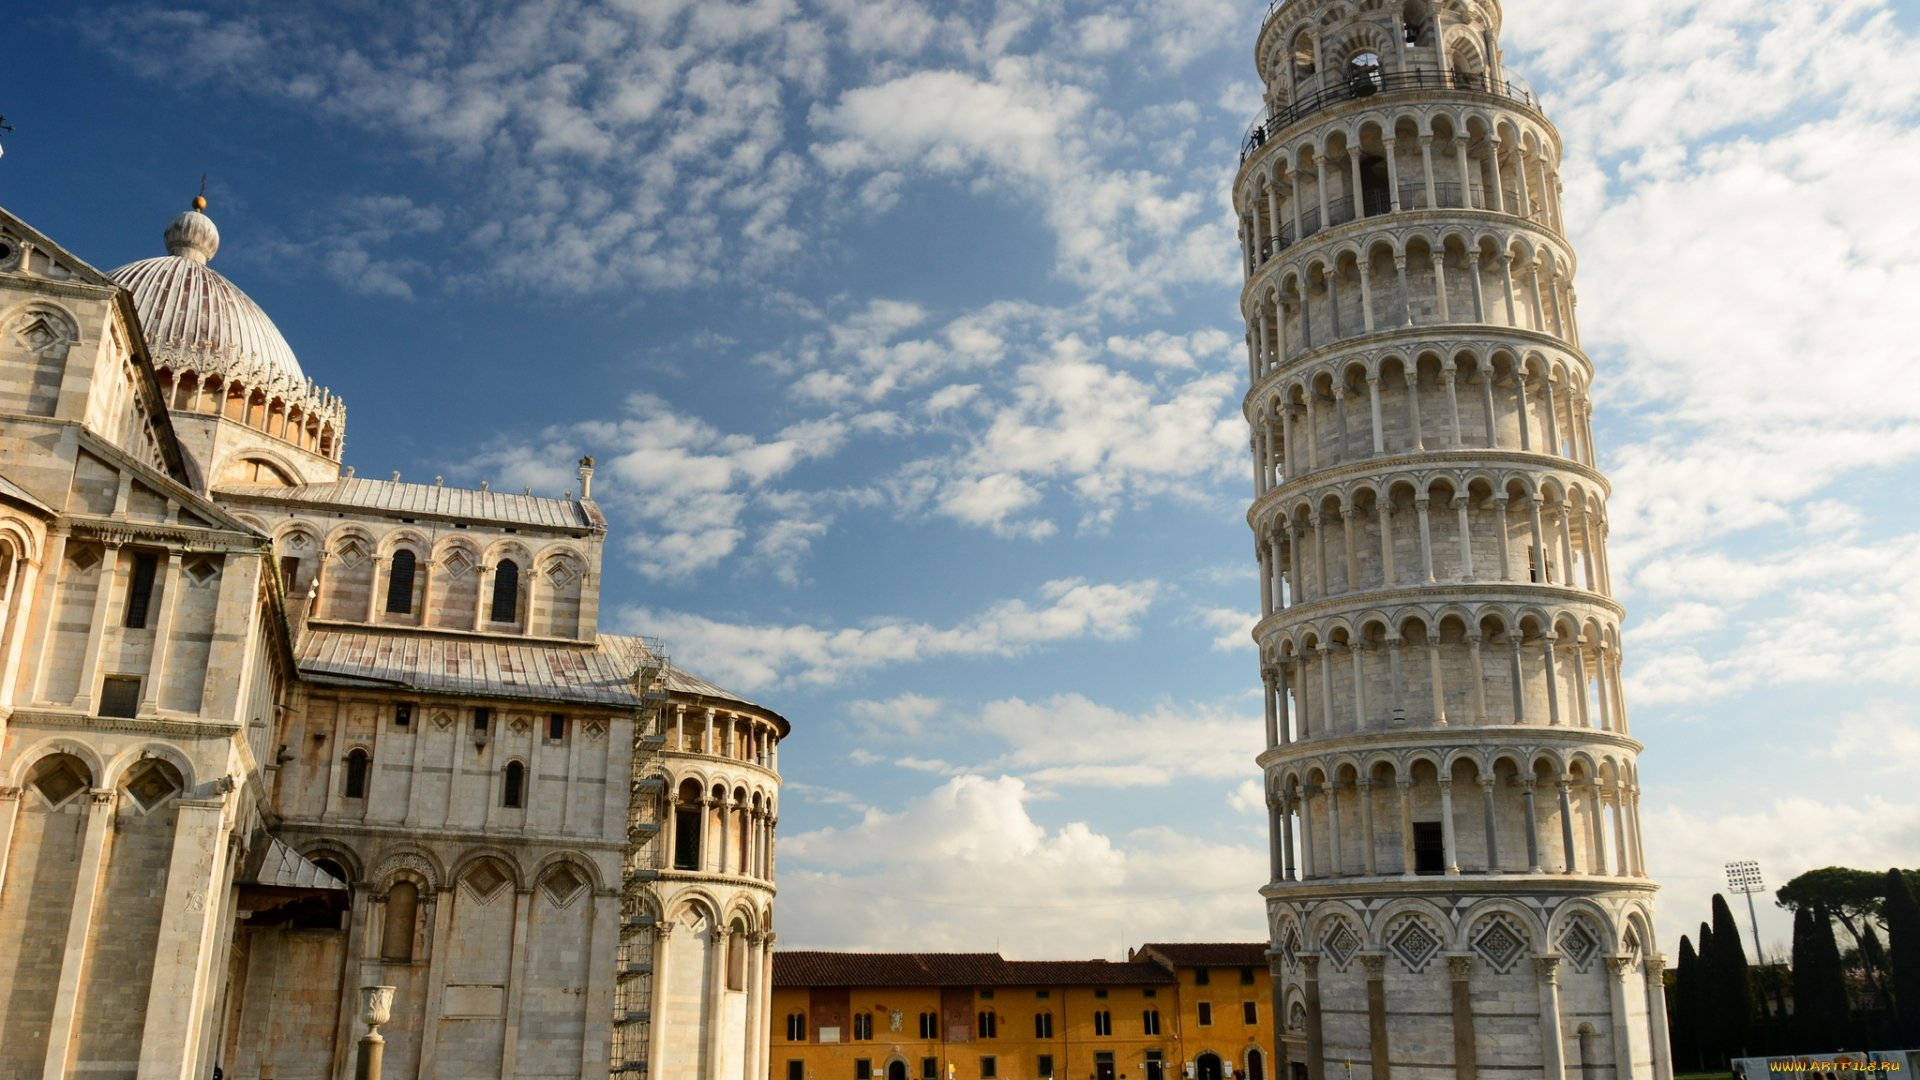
[[639, 914]]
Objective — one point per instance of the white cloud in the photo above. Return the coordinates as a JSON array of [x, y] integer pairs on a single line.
[[1067, 740], [966, 867], [903, 716], [750, 656], [1234, 627]]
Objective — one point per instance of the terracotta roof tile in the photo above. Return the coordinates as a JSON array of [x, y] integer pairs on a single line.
[[1208, 953], [851, 969]]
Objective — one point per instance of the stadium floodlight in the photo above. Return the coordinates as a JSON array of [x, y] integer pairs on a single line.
[[1743, 876]]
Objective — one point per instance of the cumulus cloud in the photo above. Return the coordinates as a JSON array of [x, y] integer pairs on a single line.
[[967, 867], [755, 655]]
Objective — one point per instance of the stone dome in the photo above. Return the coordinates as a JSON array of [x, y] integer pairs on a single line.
[[197, 320]]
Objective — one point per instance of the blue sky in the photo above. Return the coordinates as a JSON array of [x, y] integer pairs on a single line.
[[906, 336]]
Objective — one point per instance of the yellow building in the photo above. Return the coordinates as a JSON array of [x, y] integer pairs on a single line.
[[1170, 1011]]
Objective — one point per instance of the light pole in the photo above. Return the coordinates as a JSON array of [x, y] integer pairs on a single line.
[[1743, 876]]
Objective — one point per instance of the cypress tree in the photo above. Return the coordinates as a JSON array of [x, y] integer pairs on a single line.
[[1732, 994], [1819, 982], [1682, 1024], [1706, 1035], [1903, 946]]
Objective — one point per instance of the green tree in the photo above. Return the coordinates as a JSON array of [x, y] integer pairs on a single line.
[[1729, 987], [1819, 986], [1903, 947], [1854, 897]]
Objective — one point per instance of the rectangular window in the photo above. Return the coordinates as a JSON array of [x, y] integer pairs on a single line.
[[929, 1025], [1043, 1067], [796, 1027], [1201, 976], [1150, 1022], [986, 995], [1103, 1023], [862, 1069], [686, 839], [929, 1069], [1042, 995], [1149, 992], [1250, 1012], [140, 591], [1100, 994], [989, 1026], [556, 727], [796, 1070], [403, 715], [1246, 976], [989, 1067], [1429, 848], [863, 1026], [1206, 1013], [120, 695], [1043, 1025], [482, 717], [289, 572]]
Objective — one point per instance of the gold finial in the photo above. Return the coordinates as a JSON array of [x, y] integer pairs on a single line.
[[200, 200]]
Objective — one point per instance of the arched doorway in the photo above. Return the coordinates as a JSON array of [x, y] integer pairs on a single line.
[[896, 1070], [1207, 1067], [1256, 1064]]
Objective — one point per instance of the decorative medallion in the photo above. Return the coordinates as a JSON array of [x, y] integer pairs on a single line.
[[1414, 942], [1340, 943], [1579, 944], [1499, 942]]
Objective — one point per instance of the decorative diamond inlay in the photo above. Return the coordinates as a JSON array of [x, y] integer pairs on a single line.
[[151, 784], [518, 725], [351, 554], [560, 574], [595, 729], [1414, 942], [1499, 942], [458, 564], [57, 779], [84, 558], [485, 880], [1340, 944], [1290, 947], [1579, 944], [442, 719], [201, 570], [563, 883]]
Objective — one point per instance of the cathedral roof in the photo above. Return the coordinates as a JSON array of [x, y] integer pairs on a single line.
[[195, 319], [599, 674], [431, 500]]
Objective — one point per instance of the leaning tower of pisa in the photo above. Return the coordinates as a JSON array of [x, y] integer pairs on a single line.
[[1457, 883]]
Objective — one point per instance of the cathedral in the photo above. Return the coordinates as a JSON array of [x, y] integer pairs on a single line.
[[1457, 886], [271, 732]]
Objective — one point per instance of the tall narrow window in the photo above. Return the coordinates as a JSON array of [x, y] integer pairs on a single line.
[[1202, 976], [863, 1026], [929, 1025], [515, 790], [989, 1026], [289, 572], [1206, 1013], [686, 838], [1043, 1025], [1043, 1067], [1150, 1022], [400, 584], [556, 727], [796, 1027], [1249, 1012], [357, 762], [1103, 1023], [396, 939], [989, 1067], [506, 591], [482, 719], [403, 715], [796, 1070], [140, 590], [929, 1069]]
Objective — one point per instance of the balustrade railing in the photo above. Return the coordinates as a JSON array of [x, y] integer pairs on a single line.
[[1365, 84]]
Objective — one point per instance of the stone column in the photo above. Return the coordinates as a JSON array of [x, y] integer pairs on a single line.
[[750, 1052], [1553, 1063], [1566, 827], [1617, 969], [1373, 406], [1519, 679], [1381, 1060], [9, 816], [1420, 506], [1283, 707], [719, 937], [103, 597], [1287, 812], [1356, 651], [1335, 856], [1553, 680], [162, 635], [1466, 1063], [1479, 683], [1492, 829], [1657, 1015], [1446, 826], [1405, 788], [1599, 830], [182, 955], [656, 1026], [1363, 791], [1500, 537], [73, 956], [1316, 1041], [517, 979], [1434, 676], [1440, 285], [440, 910], [1306, 834], [1533, 828], [1276, 824], [1413, 407], [1464, 523]]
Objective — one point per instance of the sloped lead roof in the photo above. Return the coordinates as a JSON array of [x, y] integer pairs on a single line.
[[431, 500], [598, 674]]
